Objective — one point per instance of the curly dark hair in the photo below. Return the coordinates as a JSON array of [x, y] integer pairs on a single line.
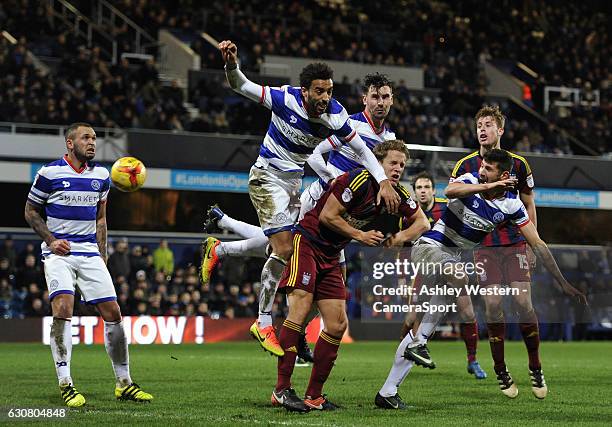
[[315, 71], [377, 80]]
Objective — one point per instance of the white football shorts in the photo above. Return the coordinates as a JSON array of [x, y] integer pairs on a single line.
[[88, 273]]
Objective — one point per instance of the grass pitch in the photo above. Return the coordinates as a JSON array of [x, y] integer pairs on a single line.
[[230, 384]]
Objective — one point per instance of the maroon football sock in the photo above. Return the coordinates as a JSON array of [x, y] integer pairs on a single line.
[[325, 353], [469, 333], [497, 332], [288, 339], [531, 336]]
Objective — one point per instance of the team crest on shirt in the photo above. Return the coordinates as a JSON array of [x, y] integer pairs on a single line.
[[305, 279], [292, 119], [280, 218], [412, 204], [475, 204], [95, 184], [347, 195], [53, 285], [498, 217]]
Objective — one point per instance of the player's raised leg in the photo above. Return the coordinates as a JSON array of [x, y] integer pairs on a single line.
[[254, 243], [469, 334], [274, 195]]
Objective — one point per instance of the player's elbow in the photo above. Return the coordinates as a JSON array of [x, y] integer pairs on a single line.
[[451, 192]]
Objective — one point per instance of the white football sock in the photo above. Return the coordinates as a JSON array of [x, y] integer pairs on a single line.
[[117, 349], [255, 246], [270, 276], [244, 229], [400, 369], [61, 349], [431, 320]]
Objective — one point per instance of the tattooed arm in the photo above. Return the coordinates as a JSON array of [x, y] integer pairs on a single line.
[[33, 215], [101, 230]]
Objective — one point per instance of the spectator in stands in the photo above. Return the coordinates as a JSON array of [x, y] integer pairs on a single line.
[[163, 258], [119, 261], [7, 250]]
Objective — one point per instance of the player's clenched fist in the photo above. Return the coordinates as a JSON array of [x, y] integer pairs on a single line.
[[229, 51], [60, 247]]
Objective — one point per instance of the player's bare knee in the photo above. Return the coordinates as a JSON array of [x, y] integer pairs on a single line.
[[110, 311], [61, 306]]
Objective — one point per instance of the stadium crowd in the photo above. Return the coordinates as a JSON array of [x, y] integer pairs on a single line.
[[146, 281], [450, 43]]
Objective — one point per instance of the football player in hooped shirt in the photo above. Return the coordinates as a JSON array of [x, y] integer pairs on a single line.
[[72, 192], [506, 255], [478, 202], [434, 207], [301, 118], [314, 274]]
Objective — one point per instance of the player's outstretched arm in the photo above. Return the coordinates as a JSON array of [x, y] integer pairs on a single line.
[[456, 190], [543, 253], [33, 216], [331, 217], [370, 162], [236, 78], [419, 224], [317, 162]]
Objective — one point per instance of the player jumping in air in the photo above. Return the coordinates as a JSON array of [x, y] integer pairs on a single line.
[[371, 127], [434, 207], [72, 192], [478, 203], [507, 258], [302, 117], [314, 274]]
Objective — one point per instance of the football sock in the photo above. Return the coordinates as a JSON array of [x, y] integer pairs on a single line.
[[531, 335], [431, 320], [325, 353], [270, 276], [400, 369], [254, 246], [117, 349], [241, 228], [497, 333], [288, 338], [61, 349], [469, 333]]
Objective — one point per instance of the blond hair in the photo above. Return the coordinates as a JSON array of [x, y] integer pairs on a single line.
[[492, 111], [381, 150]]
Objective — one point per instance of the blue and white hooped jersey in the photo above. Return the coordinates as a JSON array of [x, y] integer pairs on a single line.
[[292, 136], [467, 220], [70, 199], [343, 158]]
